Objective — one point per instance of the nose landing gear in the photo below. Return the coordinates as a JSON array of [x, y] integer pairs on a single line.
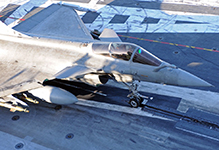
[[136, 99]]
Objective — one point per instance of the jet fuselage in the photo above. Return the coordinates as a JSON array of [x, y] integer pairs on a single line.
[[46, 57]]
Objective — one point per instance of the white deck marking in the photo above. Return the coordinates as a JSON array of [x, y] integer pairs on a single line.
[[118, 108], [198, 23], [213, 3], [10, 141], [199, 134]]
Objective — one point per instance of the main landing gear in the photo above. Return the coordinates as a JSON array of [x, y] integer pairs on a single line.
[[136, 99]]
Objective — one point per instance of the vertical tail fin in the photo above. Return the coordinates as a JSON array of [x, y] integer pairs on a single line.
[[109, 35]]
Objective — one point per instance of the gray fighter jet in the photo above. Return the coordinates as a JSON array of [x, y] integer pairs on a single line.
[[49, 47]]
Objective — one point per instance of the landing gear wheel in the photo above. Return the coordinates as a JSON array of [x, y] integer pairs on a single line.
[[134, 103]]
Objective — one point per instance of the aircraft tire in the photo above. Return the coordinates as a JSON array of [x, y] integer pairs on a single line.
[[134, 103]]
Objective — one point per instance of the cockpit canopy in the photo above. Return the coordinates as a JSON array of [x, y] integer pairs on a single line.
[[126, 51]]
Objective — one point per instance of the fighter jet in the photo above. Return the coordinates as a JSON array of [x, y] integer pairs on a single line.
[[47, 46]]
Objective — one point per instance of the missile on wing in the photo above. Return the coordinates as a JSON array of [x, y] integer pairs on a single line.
[[31, 100], [24, 97], [13, 107], [54, 95], [12, 103]]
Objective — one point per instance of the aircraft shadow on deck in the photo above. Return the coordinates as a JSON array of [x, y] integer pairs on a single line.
[[114, 95], [81, 90]]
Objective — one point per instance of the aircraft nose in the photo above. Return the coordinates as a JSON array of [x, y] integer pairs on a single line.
[[187, 79]]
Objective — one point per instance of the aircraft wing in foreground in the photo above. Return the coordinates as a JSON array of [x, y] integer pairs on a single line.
[[55, 44]]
